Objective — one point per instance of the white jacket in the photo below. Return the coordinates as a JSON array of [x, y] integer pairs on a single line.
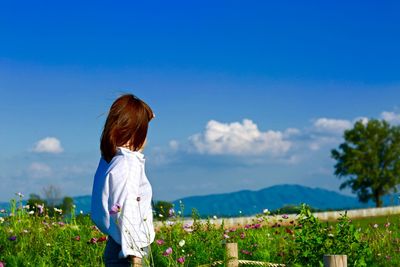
[[123, 181]]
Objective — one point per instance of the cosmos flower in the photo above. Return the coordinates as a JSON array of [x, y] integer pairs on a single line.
[[171, 212], [167, 252], [181, 260], [160, 242], [102, 239], [58, 210], [181, 243], [285, 216], [116, 208], [246, 252], [41, 208], [187, 227]]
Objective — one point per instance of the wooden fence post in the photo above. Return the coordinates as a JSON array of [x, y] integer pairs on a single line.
[[232, 254], [335, 260]]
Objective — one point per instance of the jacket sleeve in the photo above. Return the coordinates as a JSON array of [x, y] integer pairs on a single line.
[[124, 191]]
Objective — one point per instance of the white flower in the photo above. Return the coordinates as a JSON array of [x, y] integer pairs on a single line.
[[31, 212], [48, 244], [265, 211], [215, 217], [160, 215], [330, 235], [1, 219], [182, 243], [58, 210], [81, 212], [26, 207]]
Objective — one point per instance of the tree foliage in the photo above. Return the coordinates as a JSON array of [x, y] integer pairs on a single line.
[[163, 209], [369, 159]]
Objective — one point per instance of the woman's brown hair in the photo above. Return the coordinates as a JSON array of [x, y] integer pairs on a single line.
[[127, 122]]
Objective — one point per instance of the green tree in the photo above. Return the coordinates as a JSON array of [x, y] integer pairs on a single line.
[[163, 208], [369, 159], [67, 205]]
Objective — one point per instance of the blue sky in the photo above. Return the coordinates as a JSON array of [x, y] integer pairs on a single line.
[[246, 94]]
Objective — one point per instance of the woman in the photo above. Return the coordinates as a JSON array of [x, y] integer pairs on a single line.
[[121, 197]]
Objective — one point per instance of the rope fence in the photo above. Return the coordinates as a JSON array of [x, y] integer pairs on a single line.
[[233, 260]]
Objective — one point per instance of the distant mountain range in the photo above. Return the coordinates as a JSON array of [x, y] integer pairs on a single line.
[[247, 202]]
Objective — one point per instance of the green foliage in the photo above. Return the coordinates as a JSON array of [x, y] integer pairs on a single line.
[[162, 210], [41, 240], [291, 209], [67, 205], [369, 158], [314, 239]]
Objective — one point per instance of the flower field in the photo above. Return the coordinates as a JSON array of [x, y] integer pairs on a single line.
[[29, 237]]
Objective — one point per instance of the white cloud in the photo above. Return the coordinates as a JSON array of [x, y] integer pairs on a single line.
[[364, 120], [173, 144], [289, 132], [317, 142], [48, 145], [331, 126], [391, 117], [238, 139], [37, 170]]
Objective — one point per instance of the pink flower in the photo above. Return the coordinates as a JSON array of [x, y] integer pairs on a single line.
[[171, 212], [160, 242], [93, 240], [181, 260], [246, 252], [187, 227], [77, 238], [167, 252], [102, 238], [242, 235], [285, 216], [1, 264], [387, 224], [226, 236], [40, 207], [116, 208]]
